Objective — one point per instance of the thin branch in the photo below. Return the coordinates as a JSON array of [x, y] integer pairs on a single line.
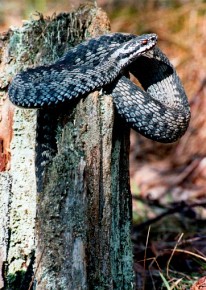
[[172, 254]]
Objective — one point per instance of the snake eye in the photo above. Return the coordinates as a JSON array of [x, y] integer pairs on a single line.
[[144, 41]]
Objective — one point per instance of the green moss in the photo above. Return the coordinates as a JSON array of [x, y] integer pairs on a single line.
[[15, 281]]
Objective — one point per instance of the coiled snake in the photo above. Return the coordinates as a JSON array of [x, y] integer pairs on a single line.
[[160, 111]]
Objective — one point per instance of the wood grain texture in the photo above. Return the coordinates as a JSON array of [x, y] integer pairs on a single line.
[[78, 225]]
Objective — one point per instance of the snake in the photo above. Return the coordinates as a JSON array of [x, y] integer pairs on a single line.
[[157, 107]]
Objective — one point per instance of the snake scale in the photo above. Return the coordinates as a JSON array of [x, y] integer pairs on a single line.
[[159, 110]]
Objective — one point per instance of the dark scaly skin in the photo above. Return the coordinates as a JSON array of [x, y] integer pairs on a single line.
[[161, 112], [165, 102], [79, 73]]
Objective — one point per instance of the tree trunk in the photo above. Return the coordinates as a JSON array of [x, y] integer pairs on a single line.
[[72, 231]]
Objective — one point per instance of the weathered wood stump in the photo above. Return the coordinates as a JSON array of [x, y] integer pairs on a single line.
[[75, 232]]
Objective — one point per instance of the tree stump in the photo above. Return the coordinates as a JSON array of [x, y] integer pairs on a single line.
[[73, 230]]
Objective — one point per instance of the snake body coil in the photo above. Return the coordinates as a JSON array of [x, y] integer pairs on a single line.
[[160, 111]]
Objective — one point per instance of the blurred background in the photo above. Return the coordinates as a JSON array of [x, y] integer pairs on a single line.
[[168, 182]]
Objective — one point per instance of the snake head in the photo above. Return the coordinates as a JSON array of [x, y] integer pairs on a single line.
[[131, 50]]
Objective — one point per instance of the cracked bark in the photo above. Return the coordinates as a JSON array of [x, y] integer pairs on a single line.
[[75, 232]]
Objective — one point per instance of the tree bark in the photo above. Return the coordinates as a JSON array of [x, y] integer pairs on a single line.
[[74, 231]]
